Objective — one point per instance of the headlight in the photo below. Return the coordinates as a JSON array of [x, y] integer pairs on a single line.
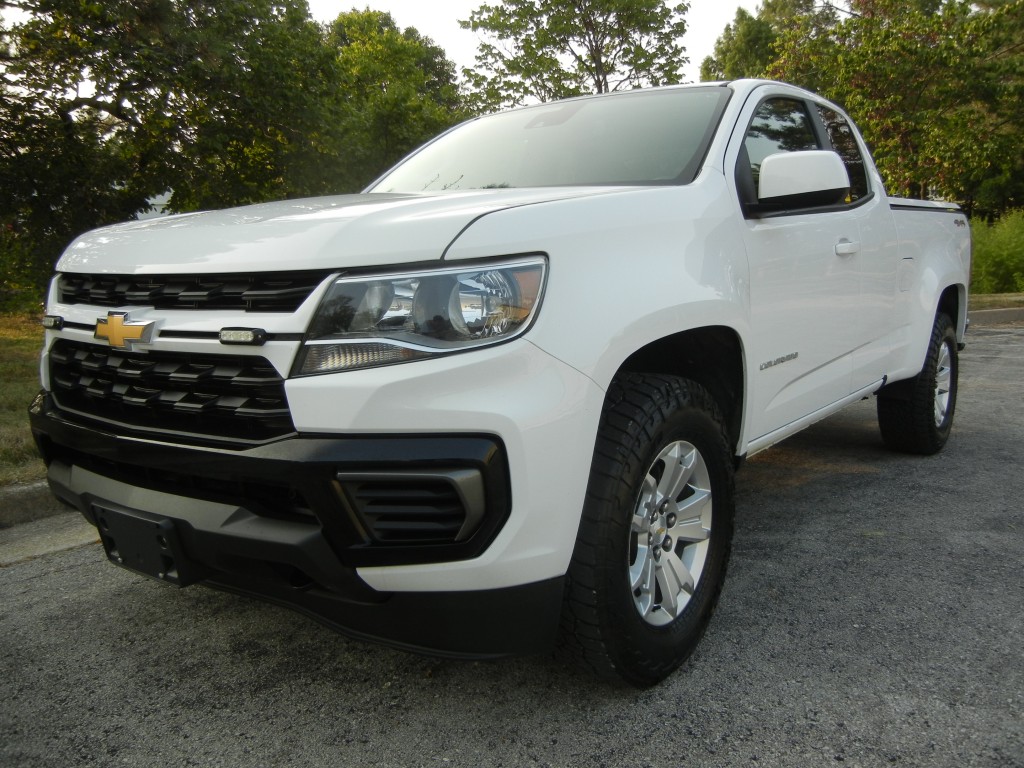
[[376, 320]]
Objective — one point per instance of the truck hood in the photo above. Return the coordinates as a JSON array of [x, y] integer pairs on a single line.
[[315, 233]]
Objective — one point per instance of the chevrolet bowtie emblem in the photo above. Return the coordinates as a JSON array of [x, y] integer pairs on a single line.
[[118, 331]]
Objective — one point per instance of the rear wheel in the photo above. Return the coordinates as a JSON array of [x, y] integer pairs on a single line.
[[916, 416], [655, 534]]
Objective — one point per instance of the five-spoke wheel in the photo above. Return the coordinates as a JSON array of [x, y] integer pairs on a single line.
[[653, 543]]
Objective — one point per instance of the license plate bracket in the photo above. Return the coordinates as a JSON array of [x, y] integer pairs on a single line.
[[146, 543]]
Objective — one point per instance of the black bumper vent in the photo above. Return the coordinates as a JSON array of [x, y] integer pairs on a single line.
[[433, 507], [261, 292], [179, 396]]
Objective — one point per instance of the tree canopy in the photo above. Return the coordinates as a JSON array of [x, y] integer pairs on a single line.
[[550, 49], [104, 106], [935, 85], [397, 90], [746, 47]]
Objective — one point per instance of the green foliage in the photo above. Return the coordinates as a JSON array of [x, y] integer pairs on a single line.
[[104, 106], [21, 338], [998, 264], [398, 90], [112, 103], [936, 87], [251, 110], [107, 105], [21, 273], [743, 50], [747, 47], [550, 49]]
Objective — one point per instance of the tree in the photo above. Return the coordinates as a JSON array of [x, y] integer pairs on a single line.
[[935, 85], [398, 89], [746, 47], [178, 91], [107, 105], [549, 49]]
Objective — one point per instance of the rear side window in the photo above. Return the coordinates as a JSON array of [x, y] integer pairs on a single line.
[[845, 143]]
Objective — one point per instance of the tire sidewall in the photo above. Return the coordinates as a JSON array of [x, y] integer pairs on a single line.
[[635, 641]]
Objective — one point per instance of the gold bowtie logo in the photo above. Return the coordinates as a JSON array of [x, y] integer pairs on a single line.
[[118, 331]]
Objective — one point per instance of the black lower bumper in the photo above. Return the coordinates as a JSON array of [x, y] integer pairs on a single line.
[[291, 522]]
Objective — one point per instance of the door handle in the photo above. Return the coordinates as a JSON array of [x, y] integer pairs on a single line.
[[847, 247]]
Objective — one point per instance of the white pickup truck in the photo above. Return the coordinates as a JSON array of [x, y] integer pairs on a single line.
[[493, 405]]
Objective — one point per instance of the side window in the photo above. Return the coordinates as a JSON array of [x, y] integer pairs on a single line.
[[845, 143], [779, 125]]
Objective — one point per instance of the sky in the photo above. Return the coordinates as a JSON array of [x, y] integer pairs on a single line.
[[439, 20]]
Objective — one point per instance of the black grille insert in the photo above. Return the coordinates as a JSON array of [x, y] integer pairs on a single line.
[[181, 396], [430, 507], [260, 292]]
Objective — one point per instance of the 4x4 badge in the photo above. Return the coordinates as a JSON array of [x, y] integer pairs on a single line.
[[118, 331]]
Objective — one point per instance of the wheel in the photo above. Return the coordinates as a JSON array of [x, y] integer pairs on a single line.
[[655, 533], [915, 416]]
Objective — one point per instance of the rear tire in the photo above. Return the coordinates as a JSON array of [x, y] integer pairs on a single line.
[[655, 533], [916, 416]]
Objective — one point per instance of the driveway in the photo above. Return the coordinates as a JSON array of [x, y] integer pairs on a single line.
[[873, 616]]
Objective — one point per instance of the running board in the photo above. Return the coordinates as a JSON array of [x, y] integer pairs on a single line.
[[767, 441]]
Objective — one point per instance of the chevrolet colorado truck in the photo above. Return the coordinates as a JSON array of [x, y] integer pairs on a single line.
[[494, 404]]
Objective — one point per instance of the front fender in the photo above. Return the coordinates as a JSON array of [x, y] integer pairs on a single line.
[[626, 269]]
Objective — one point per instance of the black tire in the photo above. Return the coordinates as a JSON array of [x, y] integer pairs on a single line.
[[641, 635], [916, 415]]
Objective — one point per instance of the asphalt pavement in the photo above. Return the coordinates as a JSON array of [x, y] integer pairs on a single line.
[[872, 616]]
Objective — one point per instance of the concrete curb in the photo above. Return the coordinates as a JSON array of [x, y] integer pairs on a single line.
[[27, 502], [59, 532], [983, 318]]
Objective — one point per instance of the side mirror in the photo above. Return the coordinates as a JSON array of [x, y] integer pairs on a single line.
[[802, 180]]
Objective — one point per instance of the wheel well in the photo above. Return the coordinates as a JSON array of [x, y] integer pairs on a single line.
[[713, 357], [949, 304]]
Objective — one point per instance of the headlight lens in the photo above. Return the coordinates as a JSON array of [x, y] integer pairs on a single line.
[[376, 320]]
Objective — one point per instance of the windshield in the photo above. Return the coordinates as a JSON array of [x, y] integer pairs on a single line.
[[656, 136]]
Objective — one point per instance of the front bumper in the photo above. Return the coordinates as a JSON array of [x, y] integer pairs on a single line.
[[286, 522]]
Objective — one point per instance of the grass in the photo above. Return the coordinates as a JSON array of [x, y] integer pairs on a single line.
[[996, 300], [999, 255], [21, 339]]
